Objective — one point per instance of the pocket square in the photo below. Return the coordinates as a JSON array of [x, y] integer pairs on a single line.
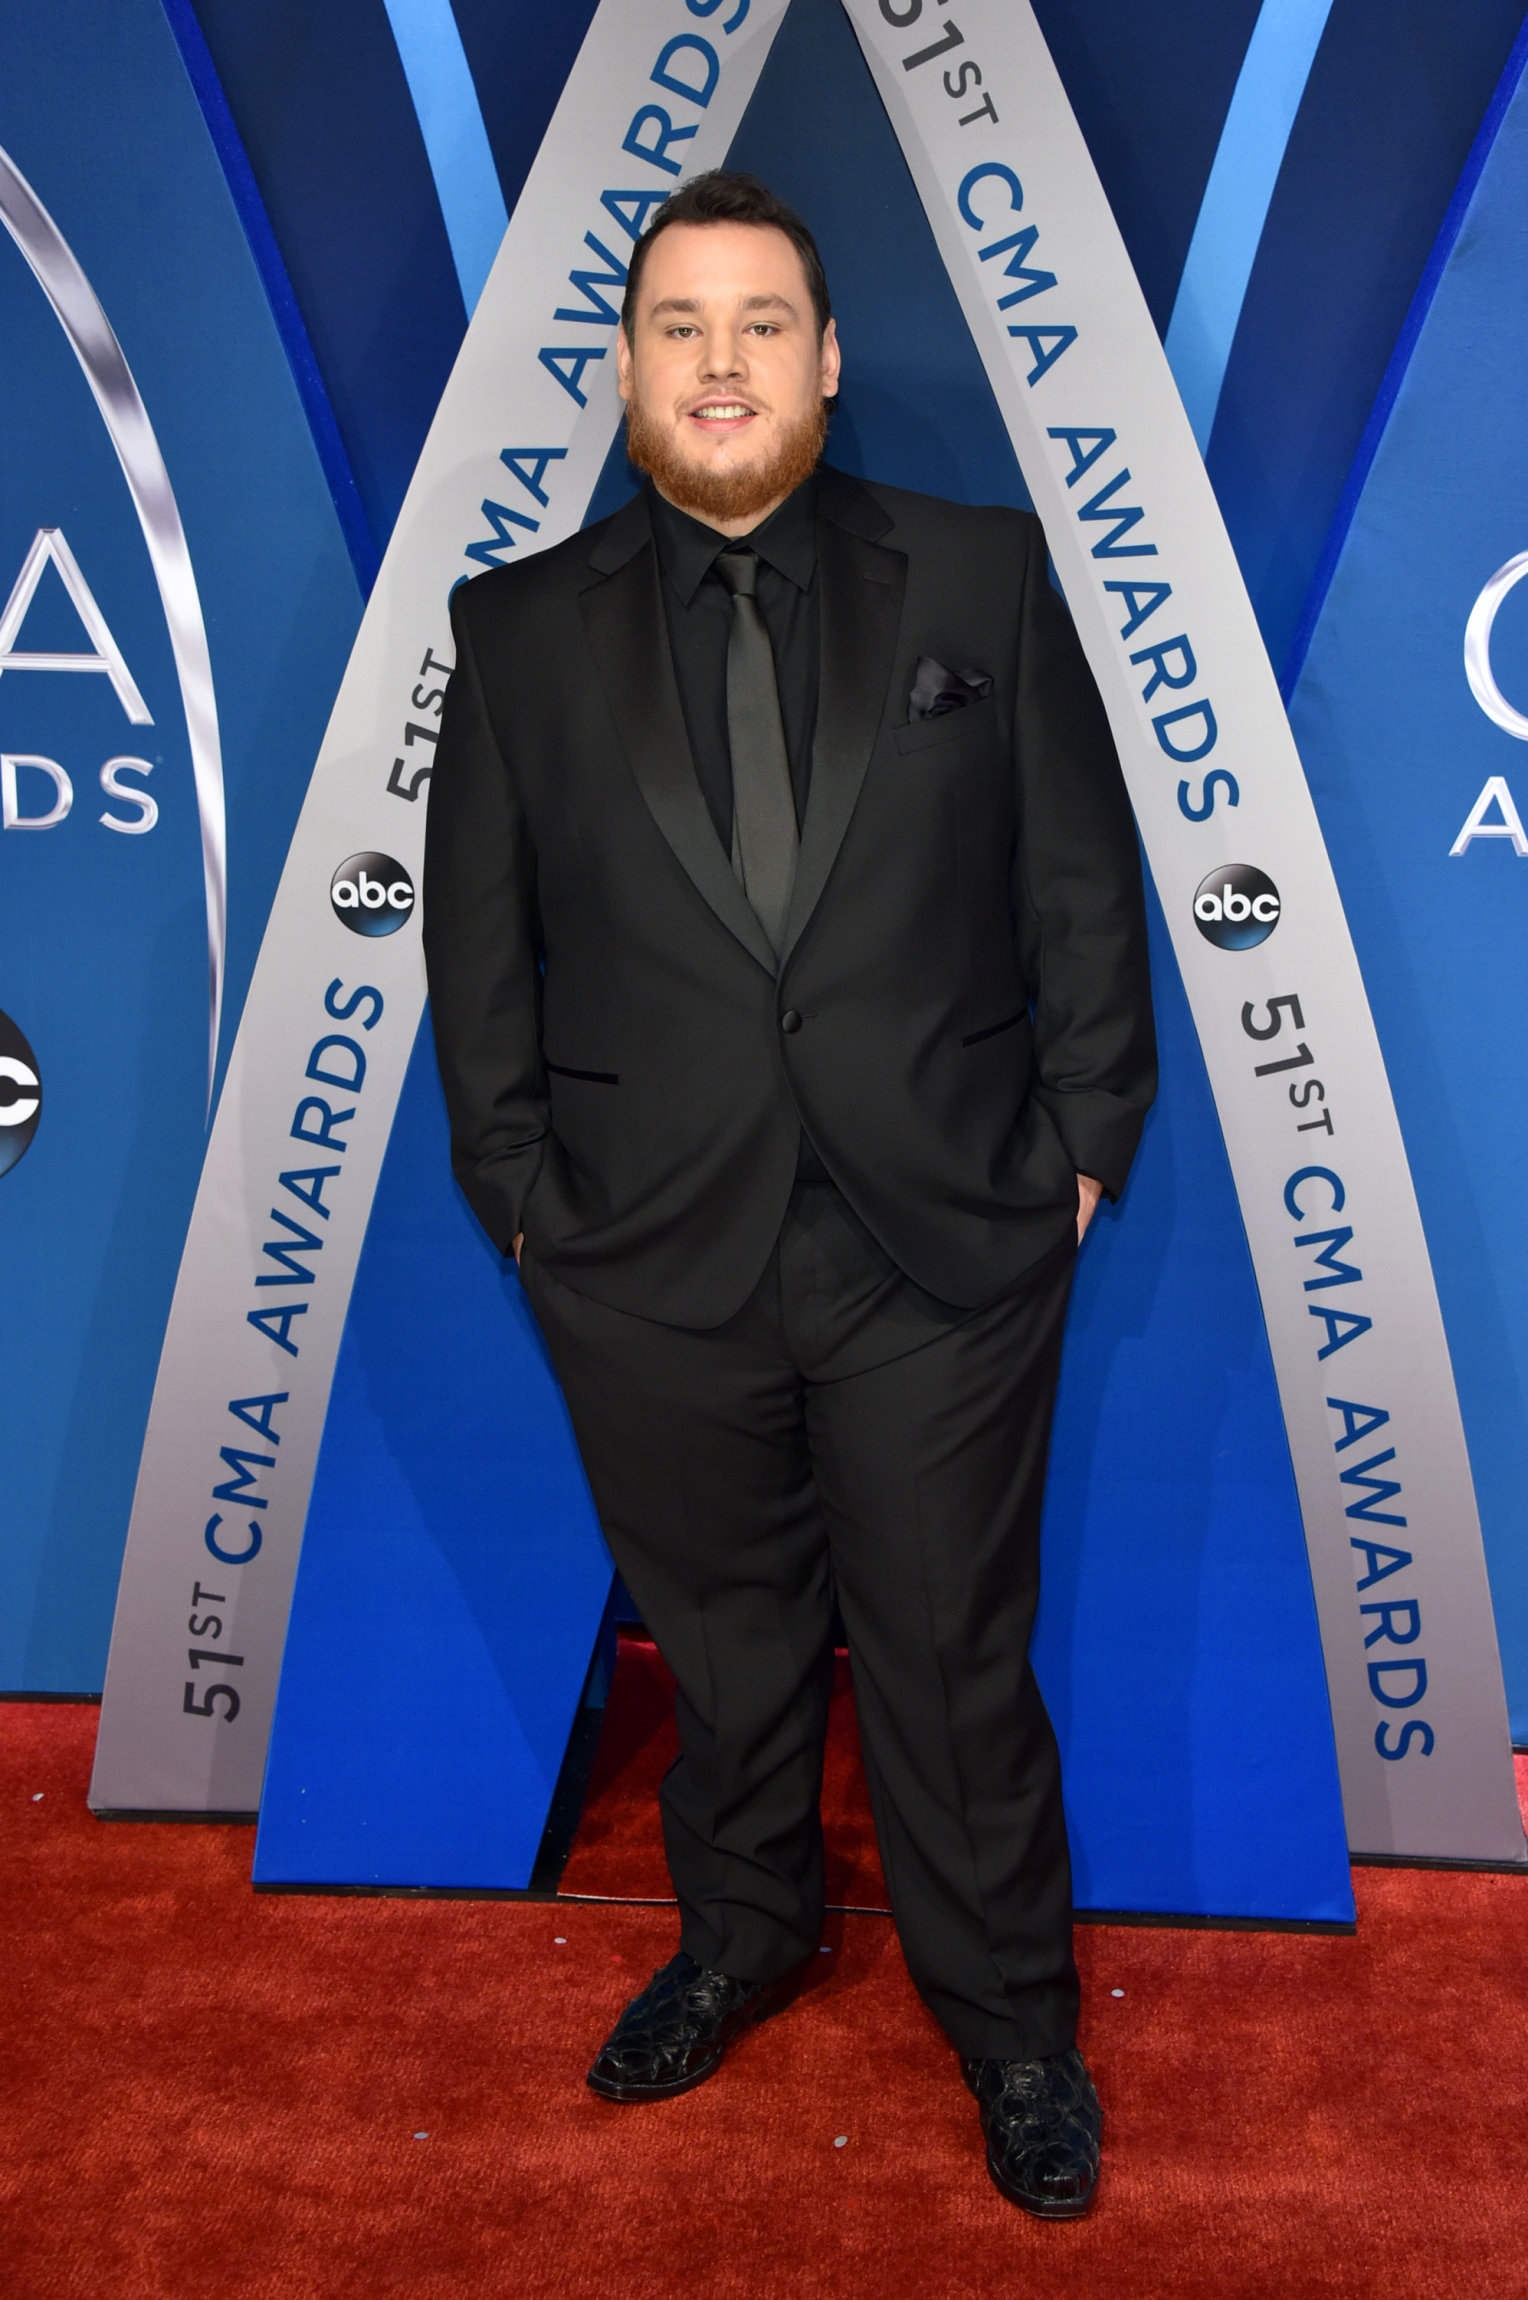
[[937, 691]]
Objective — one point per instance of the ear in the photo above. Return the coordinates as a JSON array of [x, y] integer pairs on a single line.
[[623, 363], [831, 360]]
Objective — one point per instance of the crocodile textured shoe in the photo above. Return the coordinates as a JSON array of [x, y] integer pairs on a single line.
[[675, 2033], [1043, 2126]]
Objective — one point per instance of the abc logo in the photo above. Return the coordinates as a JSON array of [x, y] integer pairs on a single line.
[[20, 1094], [1236, 907], [371, 894]]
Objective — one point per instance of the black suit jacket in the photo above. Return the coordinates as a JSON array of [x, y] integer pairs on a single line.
[[966, 948]]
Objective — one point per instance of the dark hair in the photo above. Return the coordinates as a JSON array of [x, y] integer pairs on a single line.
[[726, 196]]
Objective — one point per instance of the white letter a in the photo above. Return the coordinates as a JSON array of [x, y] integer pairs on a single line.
[[1495, 794], [48, 543]]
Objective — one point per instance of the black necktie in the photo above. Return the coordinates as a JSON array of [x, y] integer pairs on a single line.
[[764, 837]]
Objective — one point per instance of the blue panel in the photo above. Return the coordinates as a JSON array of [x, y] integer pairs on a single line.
[[103, 956], [1178, 1646], [1397, 753], [328, 132], [285, 310], [324, 112], [520, 53], [1394, 99], [1151, 88], [451, 122], [452, 1575], [1236, 201]]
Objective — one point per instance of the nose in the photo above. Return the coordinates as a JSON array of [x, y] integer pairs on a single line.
[[722, 359]]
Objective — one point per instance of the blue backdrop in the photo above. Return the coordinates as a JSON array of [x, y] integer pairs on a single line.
[[1398, 753], [248, 187], [103, 946]]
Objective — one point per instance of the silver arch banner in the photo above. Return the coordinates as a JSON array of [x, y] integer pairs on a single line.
[[510, 462], [1254, 912]]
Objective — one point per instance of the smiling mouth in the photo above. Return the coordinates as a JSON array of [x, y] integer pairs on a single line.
[[719, 414]]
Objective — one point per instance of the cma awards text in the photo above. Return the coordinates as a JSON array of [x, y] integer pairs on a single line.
[[36, 793]]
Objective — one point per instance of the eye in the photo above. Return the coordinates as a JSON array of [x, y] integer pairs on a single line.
[[764, 327], [680, 327]]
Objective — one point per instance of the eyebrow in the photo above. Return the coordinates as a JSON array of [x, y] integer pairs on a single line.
[[692, 304]]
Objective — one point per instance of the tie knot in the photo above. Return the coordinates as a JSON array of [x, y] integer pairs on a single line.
[[739, 570]]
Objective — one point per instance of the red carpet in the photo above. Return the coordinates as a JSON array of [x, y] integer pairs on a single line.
[[206, 2092]]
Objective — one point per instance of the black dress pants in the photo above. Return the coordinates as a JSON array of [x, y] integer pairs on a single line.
[[845, 1436]]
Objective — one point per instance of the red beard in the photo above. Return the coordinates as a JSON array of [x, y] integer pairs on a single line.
[[721, 498]]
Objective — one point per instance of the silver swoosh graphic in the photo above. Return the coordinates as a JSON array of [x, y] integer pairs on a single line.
[[106, 371]]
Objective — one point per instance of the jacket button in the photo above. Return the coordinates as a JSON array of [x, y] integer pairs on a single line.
[[790, 1022]]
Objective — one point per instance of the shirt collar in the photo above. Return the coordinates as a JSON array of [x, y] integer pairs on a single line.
[[786, 540]]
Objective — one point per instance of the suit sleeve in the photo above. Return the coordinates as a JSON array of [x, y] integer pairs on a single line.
[[482, 956], [1078, 896]]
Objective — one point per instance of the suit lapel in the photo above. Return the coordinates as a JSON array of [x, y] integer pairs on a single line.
[[624, 618], [862, 586]]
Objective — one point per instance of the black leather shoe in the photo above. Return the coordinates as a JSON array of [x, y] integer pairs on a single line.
[[1043, 2126], [675, 2033]]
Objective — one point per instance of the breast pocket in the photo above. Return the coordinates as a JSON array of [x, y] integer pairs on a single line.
[[969, 724]]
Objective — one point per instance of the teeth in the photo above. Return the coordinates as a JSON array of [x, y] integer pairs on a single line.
[[721, 414]]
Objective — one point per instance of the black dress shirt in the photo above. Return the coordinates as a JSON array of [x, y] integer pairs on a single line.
[[699, 610]]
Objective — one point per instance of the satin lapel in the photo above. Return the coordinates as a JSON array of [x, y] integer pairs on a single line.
[[624, 619], [862, 586]]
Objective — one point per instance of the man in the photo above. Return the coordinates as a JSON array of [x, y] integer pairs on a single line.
[[788, 968]]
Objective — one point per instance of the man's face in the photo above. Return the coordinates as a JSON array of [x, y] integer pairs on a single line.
[[724, 375]]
